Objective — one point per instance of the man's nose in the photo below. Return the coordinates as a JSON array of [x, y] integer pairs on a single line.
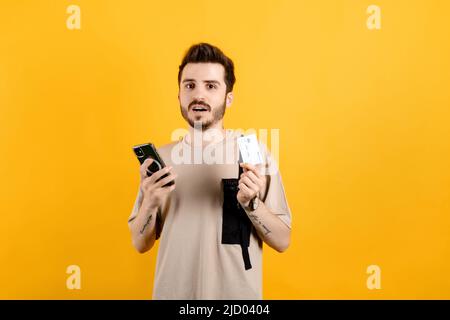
[[200, 94]]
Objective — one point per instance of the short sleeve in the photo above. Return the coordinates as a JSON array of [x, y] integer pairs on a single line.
[[275, 196]]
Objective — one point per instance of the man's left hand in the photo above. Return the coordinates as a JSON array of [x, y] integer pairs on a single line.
[[251, 184]]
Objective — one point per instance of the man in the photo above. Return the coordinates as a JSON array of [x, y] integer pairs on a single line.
[[205, 251]]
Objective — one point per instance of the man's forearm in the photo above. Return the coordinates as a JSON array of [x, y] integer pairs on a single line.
[[270, 228], [142, 228]]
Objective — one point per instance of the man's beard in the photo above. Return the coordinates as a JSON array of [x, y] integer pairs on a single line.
[[217, 114]]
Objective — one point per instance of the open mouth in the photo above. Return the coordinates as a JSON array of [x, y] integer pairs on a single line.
[[199, 108]]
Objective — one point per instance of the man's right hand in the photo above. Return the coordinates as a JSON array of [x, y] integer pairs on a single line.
[[153, 191]]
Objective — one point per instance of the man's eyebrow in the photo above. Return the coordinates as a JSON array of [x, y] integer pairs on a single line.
[[212, 81], [206, 81]]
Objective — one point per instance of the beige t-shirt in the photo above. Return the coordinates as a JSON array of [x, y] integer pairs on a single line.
[[192, 262]]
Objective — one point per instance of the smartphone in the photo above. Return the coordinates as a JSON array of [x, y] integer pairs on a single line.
[[148, 150]]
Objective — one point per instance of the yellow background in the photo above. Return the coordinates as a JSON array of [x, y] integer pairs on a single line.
[[364, 138]]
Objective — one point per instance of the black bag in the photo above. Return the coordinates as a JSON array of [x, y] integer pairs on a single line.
[[236, 226]]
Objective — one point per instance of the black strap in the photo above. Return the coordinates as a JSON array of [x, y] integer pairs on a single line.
[[245, 228], [245, 235]]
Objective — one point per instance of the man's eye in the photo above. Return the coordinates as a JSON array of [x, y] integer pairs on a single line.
[[211, 86], [189, 86]]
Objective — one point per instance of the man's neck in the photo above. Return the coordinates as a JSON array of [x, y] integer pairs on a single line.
[[205, 137]]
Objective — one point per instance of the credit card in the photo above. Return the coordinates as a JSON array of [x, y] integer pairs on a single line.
[[249, 148]]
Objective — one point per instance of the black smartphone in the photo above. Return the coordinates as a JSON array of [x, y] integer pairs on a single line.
[[148, 150]]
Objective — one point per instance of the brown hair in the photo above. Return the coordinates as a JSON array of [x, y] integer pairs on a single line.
[[205, 52]]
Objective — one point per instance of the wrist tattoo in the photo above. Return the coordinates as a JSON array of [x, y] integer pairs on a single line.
[[146, 223], [256, 218]]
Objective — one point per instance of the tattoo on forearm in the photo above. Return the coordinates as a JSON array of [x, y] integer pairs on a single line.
[[266, 230], [146, 223], [256, 218], [131, 219]]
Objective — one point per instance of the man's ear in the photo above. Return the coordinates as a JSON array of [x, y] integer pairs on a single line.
[[230, 98]]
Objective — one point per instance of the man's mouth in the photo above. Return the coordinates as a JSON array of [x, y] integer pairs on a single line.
[[199, 108]]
